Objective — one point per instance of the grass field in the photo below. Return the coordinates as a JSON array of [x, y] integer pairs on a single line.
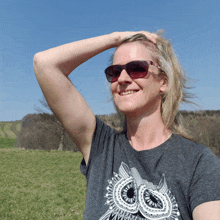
[[7, 143], [40, 184]]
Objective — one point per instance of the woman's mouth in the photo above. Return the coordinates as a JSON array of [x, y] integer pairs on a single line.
[[127, 92]]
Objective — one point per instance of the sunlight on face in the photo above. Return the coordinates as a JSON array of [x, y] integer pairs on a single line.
[[137, 96]]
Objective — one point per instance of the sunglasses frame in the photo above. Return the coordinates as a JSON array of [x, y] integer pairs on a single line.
[[144, 63]]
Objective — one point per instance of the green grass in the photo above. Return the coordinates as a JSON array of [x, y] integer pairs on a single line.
[[40, 184], [7, 143]]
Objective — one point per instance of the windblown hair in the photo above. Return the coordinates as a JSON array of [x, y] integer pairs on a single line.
[[176, 78]]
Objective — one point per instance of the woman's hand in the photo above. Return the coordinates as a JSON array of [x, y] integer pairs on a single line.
[[121, 36]]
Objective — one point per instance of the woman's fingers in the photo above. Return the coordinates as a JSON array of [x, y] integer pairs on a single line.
[[151, 36], [121, 36]]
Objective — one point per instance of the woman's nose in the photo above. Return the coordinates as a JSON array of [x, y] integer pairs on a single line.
[[124, 77]]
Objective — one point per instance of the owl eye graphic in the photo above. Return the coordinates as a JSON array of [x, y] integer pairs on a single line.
[[131, 197], [128, 193], [152, 200]]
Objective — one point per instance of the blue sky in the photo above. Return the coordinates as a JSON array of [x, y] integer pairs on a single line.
[[28, 27]]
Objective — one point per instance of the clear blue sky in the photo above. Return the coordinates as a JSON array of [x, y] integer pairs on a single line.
[[27, 27]]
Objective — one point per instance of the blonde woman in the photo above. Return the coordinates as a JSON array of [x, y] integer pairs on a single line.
[[149, 170]]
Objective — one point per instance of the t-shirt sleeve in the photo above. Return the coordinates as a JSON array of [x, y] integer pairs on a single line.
[[205, 185], [101, 134]]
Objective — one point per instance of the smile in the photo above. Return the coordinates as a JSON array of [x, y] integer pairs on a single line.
[[128, 92]]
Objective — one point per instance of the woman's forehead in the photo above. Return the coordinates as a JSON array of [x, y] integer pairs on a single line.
[[136, 51]]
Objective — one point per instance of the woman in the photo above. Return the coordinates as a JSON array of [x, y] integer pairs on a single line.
[[147, 171]]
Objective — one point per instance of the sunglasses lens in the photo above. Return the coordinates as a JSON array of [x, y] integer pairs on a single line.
[[113, 72], [137, 69]]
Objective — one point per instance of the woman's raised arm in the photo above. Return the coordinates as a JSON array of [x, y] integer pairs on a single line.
[[52, 68]]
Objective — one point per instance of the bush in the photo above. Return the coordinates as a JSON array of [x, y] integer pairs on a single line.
[[43, 132], [69, 145], [203, 128]]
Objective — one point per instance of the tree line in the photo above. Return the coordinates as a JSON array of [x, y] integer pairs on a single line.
[[43, 131]]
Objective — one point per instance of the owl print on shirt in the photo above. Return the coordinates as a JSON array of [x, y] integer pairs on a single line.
[[131, 197]]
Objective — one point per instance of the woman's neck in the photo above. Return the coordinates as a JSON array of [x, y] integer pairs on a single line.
[[147, 132]]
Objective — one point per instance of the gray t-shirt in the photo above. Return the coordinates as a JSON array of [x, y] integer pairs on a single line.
[[166, 182]]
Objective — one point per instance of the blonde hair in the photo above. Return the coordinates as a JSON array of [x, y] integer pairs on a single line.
[[176, 78]]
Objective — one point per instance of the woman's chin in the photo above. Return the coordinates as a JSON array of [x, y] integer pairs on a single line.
[[128, 110]]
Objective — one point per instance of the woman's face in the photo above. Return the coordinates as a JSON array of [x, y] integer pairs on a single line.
[[137, 96]]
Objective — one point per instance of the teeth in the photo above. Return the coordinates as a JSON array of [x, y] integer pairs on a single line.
[[128, 92]]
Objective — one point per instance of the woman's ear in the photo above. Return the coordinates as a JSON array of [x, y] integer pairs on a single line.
[[164, 84]]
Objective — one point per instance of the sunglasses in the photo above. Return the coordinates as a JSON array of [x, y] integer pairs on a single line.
[[135, 69]]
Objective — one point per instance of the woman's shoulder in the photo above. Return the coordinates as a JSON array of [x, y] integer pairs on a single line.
[[187, 142], [102, 125], [104, 132], [192, 149], [107, 126]]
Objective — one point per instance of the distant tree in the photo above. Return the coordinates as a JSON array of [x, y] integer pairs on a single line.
[[45, 110], [43, 131], [38, 132]]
